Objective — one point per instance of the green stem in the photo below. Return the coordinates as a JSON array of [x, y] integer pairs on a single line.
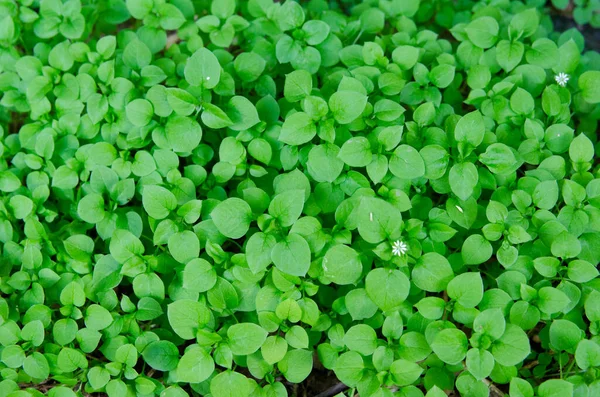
[[358, 37], [570, 367]]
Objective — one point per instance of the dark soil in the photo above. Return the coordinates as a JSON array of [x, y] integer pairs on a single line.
[[564, 22]]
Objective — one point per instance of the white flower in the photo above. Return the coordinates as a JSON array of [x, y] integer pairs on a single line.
[[562, 79], [399, 248]]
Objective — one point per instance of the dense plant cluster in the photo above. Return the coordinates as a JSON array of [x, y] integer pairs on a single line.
[[221, 198], [583, 11]]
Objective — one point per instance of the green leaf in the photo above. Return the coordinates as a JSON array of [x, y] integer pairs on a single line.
[[60, 57], [490, 322], [158, 201], [582, 271], [287, 207], [9, 182], [442, 75], [292, 255], [184, 246], [183, 134], [342, 265], [590, 86], [298, 129], [361, 338], [161, 355], [170, 17], [431, 307], [203, 69], [137, 55], [483, 32], [97, 317], [521, 102], [274, 349], [195, 366], [405, 56], [246, 338], [480, 363], [139, 8], [349, 368], [139, 112], [545, 194], [232, 217], [407, 163], [124, 246], [555, 388], [182, 102], [258, 251], [359, 305], [466, 289], [387, 288], [512, 347], [187, 316], [36, 366], [13, 356], [581, 149], [450, 345], [432, 272], [69, 360], [543, 53], [356, 152], [587, 354], [296, 365], [509, 54], [242, 113], [249, 66], [298, 85], [565, 335], [565, 245], [463, 179], [405, 372], [230, 384], [223, 9], [347, 106], [215, 117], [520, 388], [98, 377], [500, 159], [324, 164], [90, 208], [378, 220], [297, 337], [552, 300], [72, 294], [476, 250]]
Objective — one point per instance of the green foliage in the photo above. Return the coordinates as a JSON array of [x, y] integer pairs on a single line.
[[223, 198], [583, 11]]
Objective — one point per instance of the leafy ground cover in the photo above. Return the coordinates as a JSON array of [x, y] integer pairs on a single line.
[[583, 11], [261, 198]]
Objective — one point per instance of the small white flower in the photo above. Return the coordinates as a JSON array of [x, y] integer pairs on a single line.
[[399, 248], [207, 78], [562, 79]]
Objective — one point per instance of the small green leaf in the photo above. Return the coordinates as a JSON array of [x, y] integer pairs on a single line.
[[232, 217], [292, 255], [450, 345], [347, 106], [246, 338]]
